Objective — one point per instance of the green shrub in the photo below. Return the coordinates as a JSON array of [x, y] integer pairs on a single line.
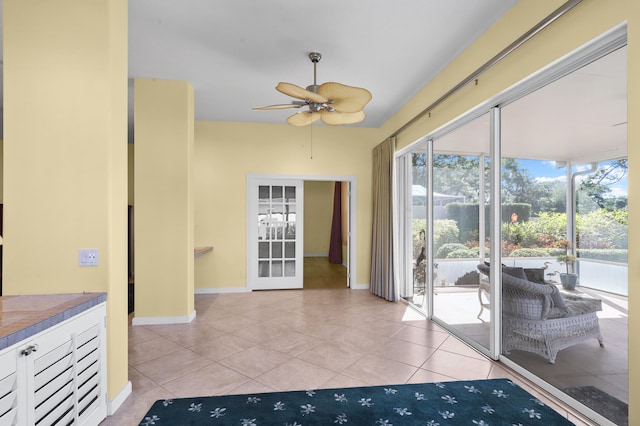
[[611, 255], [462, 253], [445, 232], [530, 252], [466, 215], [601, 229], [446, 249]]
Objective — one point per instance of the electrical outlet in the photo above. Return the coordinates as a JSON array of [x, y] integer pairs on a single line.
[[88, 257]]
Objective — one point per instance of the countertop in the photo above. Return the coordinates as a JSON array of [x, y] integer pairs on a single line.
[[24, 316]]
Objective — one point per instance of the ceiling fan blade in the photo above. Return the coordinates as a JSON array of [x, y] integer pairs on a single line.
[[336, 118], [345, 98], [295, 104], [303, 118], [300, 93]]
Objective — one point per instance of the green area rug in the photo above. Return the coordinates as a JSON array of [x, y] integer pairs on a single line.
[[479, 402]]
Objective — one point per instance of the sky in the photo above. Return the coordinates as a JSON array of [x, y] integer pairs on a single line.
[[547, 171]]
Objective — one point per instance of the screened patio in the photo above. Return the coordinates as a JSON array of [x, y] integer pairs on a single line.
[[558, 145]]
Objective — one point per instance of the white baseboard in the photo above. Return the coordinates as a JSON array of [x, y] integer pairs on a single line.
[[112, 406], [221, 290], [163, 320], [359, 286]]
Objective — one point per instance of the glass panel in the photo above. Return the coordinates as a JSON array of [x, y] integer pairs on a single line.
[[290, 231], [276, 193], [263, 192], [276, 250], [564, 175], [419, 226], [263, 269], [289, 250], [263, 250], [276, 268], [278, 232], [290, 194], [458, 235], [289, 268]]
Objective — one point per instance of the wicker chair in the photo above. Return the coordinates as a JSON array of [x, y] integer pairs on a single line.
[[532, 322]]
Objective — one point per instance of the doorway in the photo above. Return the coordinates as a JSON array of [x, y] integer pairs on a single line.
[[326, 231], [316, 270]]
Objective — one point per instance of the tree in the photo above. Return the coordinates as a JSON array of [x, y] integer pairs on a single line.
[[518, 186], [457, 175], [598, 185]]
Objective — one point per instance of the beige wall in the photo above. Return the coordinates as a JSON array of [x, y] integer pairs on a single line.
[[164, 270], [226, 152], [586, 21], [65, 156], [318, 214]]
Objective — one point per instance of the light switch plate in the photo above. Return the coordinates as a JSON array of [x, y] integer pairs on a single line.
[[88, 257]]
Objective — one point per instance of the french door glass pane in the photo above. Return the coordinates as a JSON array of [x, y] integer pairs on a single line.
[[289, 268], [276, 224]]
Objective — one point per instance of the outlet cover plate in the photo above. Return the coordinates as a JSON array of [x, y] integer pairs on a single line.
[[88, 257]]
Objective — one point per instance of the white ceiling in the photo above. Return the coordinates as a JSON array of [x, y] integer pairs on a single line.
[[580, 117], [234, 52]]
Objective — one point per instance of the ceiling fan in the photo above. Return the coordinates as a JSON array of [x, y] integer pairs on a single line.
[[333, 103]]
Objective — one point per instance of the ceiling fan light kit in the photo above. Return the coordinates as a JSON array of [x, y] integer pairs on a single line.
[[333, 103]]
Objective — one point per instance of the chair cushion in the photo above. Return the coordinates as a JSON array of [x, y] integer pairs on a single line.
[[576, 306]]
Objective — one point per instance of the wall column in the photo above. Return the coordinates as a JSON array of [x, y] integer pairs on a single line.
[[65, 156], [164, 224]]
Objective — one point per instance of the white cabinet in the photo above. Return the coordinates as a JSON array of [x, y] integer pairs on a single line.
[[58, 376], [8, 388]]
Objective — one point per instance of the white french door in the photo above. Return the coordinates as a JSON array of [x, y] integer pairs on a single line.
[[274, 230]]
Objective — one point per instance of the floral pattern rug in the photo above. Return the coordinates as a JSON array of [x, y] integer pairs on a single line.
[[479, 402]]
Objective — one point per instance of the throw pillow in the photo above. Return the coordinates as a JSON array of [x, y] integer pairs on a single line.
[[535, 275], [557, 299], [514, 271]]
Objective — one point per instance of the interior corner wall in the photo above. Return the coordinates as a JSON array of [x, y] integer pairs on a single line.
[[344, 188], [164, 224], [1, 169], [226, 152], [318, 213], [130, 174], [65, 121], [583, 23]]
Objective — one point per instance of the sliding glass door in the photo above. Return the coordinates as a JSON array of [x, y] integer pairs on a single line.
[[534, 186]]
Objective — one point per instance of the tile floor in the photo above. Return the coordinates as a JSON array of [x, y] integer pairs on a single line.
[[296, 339]]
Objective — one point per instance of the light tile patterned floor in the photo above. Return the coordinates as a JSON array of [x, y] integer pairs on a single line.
[[296, 339]]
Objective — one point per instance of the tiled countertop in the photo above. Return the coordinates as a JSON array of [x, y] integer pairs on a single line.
[[24, 316]]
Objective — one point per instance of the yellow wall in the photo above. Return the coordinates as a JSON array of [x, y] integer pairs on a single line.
[[226, 152], [164, 225], [586, 21], [318, 214], [65, 157]]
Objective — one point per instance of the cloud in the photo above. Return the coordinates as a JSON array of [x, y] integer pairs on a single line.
[[617, 191], [542, 179]]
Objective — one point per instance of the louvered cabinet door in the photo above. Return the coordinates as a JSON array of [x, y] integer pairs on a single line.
[[8, 389], [65, 372]]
